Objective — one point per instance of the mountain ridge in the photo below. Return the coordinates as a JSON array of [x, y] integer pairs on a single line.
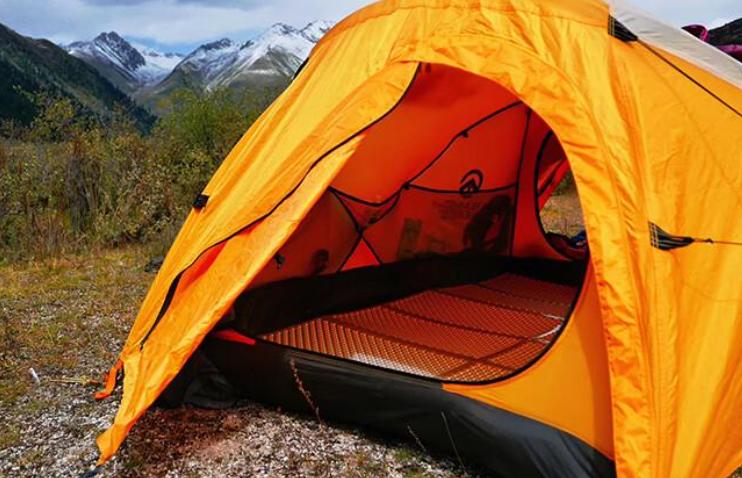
[[127, 66], [267, 61], [149, 76], [33, 66]]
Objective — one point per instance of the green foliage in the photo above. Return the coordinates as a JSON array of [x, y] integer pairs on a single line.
[[68, 183], [209, 123]]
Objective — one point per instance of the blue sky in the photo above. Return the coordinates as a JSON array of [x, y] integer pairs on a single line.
[[181, 25]]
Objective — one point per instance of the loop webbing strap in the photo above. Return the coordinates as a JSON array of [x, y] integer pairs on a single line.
[[665, 241]]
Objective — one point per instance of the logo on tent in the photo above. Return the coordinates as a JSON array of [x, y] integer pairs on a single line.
[[471, 183]]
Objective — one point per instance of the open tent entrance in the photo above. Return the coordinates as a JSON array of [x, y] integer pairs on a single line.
[[427, 255]]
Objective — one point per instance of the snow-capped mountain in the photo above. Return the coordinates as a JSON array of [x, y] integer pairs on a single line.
[[157, 64], [127, 66], [316, 30], [208, 60], [277, 53], [271, 59]]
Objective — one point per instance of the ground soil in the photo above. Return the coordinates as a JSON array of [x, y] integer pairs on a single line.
[[67, 319]]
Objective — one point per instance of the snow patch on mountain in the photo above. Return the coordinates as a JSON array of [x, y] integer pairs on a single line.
[[282, 47], [138, 65], [316, 30], [158, 64], [209, 59]]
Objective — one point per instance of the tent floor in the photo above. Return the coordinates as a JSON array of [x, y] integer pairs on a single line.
[[467, 333]]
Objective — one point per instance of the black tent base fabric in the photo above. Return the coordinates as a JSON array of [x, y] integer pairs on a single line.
[[375, 352], [412, 409]]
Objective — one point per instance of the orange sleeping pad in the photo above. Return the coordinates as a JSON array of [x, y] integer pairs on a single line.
[[468, 333]]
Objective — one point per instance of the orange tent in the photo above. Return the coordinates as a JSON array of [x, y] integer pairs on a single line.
[[376, 234]]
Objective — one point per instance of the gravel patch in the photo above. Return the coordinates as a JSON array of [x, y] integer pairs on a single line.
[[67, 320]]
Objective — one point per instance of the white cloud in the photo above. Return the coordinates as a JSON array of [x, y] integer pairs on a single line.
[[164, 21], [685, 12], [191, 22], [719, 22]]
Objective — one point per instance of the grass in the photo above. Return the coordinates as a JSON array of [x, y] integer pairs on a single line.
[[410, 461], [66, 316], [363, 465], [9, 436], [562, 213]]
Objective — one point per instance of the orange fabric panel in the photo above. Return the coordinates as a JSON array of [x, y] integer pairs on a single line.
[[552, 167], [568, 388], [491, 149], [362, 257], [202, 265], [366, 214], [552, 181], [320, 245], [399, 147], [683, 165], [529, 240]]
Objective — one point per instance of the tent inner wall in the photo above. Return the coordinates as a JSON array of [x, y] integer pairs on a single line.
[[460, 168]]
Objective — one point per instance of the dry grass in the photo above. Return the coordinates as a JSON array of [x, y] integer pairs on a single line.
[[563, 213], [67, 318], [66, 315]]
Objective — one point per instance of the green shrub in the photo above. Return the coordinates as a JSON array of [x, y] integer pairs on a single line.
[[68, 183]]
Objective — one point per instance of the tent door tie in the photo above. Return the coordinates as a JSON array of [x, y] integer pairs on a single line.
[[618, 30], [112, 379], [665, 241], [200, 201]]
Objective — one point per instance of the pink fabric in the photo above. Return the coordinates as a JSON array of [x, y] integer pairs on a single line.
[[702, 33], [732, 50], [698, 31]]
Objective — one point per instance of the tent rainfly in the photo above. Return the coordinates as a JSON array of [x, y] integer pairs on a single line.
[[375, 238]]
